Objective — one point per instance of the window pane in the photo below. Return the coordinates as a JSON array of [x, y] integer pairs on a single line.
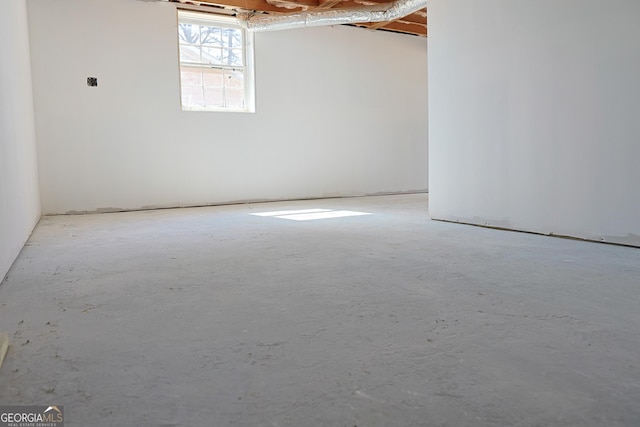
[[192, 96], [213, 87], [231, 37], [189, 53], [212, 55], [189, 33], [213, 97], [210, 36], [213, 77], [234, 88], [191, 82], [191, 76], [232, 58], [236, 57]]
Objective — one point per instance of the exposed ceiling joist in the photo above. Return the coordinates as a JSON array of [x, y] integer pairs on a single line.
[[250, 5], [328, 4], [395, 26]]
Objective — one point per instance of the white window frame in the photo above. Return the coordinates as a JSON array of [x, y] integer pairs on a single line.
[[203, 18]]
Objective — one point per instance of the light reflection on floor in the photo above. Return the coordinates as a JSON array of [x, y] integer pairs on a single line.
[[310, 214]]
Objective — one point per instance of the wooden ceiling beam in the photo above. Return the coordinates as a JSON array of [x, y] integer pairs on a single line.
[[292, 4], [406, 20], [258, 5], [398, 26], [376, 25], [370, 2], [328, 4], [414, 19]]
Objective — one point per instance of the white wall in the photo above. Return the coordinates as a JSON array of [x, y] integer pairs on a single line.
[[19, 196], [340, 111], [534, 115]]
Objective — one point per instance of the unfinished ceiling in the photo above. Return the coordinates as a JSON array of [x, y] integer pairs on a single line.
[[414, 23]]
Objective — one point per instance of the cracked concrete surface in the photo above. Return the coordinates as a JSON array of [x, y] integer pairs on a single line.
[[211, 316]]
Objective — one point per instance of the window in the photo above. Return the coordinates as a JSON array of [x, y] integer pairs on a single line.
[[216, 63]]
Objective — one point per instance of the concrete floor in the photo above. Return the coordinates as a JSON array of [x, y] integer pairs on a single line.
[[211, 316]]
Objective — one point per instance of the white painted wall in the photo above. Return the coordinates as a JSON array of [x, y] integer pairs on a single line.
[[534, 115], [19, 196], [340, 111]]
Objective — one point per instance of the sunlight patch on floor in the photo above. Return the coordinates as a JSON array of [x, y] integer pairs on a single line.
[[310, 214]]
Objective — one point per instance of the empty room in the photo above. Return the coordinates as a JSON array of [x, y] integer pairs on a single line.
[[319, 213]]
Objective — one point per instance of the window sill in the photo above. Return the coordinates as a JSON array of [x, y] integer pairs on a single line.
[[216, 110]]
